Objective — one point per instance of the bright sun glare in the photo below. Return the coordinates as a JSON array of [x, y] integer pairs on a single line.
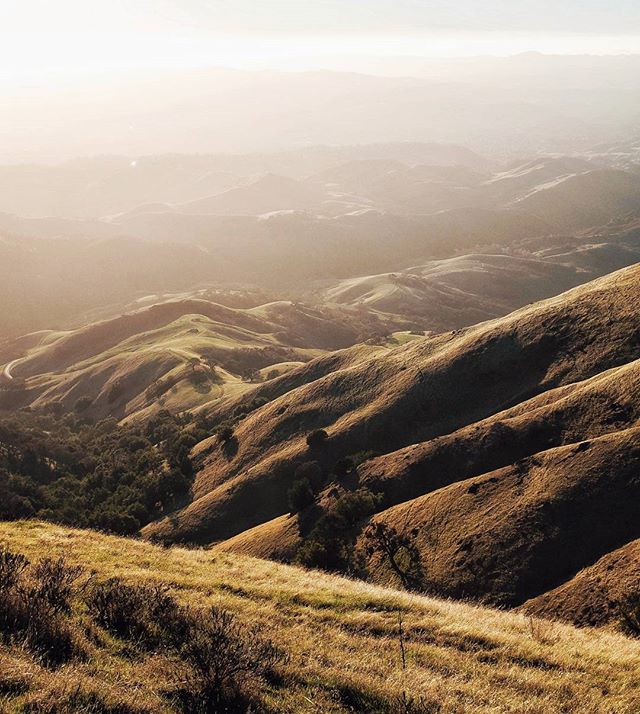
[[71, 37], [67, 55]]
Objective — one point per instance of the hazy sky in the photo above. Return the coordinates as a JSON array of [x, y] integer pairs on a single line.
[[66, 35]]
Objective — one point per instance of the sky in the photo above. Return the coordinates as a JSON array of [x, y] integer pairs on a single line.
[[74, 36]]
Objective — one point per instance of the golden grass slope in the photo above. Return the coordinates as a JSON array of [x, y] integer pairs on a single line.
[[594, 595], [415, 393], [573, 413], [200, 350], [342, 638], [461, 291], [514, 533]]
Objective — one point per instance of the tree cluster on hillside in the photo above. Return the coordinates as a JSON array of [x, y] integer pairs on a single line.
[[329, 544], [108, 476]]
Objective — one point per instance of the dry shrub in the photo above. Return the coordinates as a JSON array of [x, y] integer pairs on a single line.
[[224, 658], [543, 631], [139, 613], [11, 567], [219, 656], [34, 604], [56, 583]]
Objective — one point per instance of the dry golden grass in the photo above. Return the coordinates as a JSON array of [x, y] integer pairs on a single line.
[[414, 393], [342, 638]]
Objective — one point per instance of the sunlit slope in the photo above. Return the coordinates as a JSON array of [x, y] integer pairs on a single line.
[[516, 532], [178, 354], [415, 393], [583, 200], [593, 595], [456, 292], [341, 637], [497, 509]]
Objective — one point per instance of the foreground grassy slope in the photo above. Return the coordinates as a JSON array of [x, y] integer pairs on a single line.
[[341, 637]]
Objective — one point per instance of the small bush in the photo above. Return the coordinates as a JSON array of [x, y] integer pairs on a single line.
[[300, 495], [317, 438], [223, 656], [50, 635], [225, 434], [82, 404], [133, 612], [34, 602], [12, 566], [56, 583], [312, 471], [343, 467], [220, 655]]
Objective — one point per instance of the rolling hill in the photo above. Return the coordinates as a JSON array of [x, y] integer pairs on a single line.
[[461, 291], [591, 597], [584, 200], [178, 354], [501, 445]]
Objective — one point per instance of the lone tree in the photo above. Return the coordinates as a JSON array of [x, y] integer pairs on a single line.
[[317, 438], [225, 434], [398, 550], [250, 374]]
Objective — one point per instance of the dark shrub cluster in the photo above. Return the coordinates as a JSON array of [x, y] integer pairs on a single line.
[[139, 613], [225, 433], [220, 661], [300, 495], [317, 438], [329, 544], [35, 604], [221, 657], [106, 476]]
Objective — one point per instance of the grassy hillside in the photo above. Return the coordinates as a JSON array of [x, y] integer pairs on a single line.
[[457, 292], [420, 391], [178, 354], [583, 200], [511, 534], [500, 447], [591, 596], [341, 638]]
